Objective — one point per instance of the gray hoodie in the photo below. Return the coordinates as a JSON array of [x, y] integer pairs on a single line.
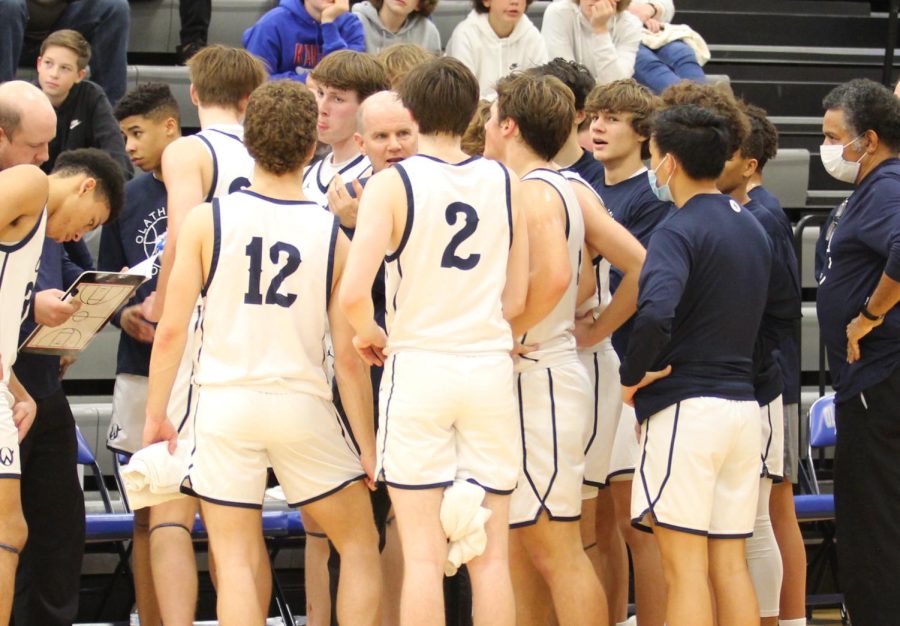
[[416, 29]]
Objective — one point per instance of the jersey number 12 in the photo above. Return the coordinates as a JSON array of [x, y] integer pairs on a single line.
[[254, 250]]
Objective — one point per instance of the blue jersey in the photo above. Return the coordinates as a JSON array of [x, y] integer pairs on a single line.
[[125, 243], [632, 204], [702, 295], [862, 243]]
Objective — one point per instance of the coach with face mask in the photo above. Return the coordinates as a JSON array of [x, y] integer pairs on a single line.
[[859, 287]]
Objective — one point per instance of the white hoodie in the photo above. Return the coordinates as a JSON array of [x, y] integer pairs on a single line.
[[490, 57], [608, 57]]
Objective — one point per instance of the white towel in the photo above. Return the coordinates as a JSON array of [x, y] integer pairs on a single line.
[[154, 476], [677, 32], [463, 519]]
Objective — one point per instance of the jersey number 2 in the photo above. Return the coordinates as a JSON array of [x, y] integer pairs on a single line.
[[450, 258], [254, 250]]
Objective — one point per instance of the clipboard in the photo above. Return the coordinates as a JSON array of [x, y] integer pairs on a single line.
[[101, 294]]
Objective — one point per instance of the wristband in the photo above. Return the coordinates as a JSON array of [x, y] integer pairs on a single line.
[[868, 314]]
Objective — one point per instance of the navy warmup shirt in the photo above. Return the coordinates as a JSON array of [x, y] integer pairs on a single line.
[[703, 290], [125, 243], [788, 353], [632, 204], [865, 243], [39, 373], [782, 309], [589, 168]]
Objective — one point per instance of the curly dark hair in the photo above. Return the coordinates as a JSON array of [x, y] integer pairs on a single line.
[[868, 105], [98, 165], [154, 100], [280, 126]]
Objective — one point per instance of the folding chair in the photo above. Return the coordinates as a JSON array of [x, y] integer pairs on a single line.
[[109, 527], [817, 508]]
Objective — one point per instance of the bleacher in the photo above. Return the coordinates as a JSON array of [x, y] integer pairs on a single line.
[[783, 55]]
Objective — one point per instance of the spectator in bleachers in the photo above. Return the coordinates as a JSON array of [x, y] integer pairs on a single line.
[[602, 35], [84, 118], [670, 63], [195, 16], [104, 23], [859, 320], [495, 39], [398, 59], [149, 119], [294, 36], [388, 22]]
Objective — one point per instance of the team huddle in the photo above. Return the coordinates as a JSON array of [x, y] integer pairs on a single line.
[[535, 356]]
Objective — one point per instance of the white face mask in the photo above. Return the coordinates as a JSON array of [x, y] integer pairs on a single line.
[[835, 164]]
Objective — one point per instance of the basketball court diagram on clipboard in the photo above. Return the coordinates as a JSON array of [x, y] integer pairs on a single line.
[[100, 294]]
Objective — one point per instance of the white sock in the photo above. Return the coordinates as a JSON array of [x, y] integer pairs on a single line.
[[792, 622], [631, 621]]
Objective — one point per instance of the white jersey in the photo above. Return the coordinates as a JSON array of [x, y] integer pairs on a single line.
[[19, 262], [232, 165], [553, 335], [445, 281], [318, 176], [266, 297]]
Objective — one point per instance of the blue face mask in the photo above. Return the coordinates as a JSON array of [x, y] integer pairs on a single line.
[[662, 192]]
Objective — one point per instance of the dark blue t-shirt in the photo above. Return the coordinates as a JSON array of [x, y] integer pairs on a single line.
[[127, 242], [782, 308], [632, 204], [788, 352], [865, 243], [589, 168], [703, 291], [39, 373]]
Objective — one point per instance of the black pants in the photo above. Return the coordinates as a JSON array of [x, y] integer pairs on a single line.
[[867, 502], [49, 573], [195, 16]]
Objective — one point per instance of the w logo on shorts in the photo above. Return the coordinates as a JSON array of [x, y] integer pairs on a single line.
[[114, 430], [7, 456]]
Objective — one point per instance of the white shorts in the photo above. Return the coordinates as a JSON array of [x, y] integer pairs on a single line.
[[182, 405], [242, 432], [129, 406], [10, 464], [602, 367], [554, 408], [772, 454], [699, 469], [447, 416]]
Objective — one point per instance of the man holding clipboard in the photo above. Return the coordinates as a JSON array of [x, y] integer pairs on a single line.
[[83, 192]]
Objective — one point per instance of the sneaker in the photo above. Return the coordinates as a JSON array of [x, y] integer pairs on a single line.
[[186, 50]]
